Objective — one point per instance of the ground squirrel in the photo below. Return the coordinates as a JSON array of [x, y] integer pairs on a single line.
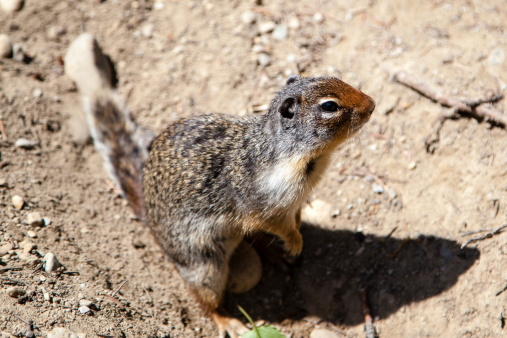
[[206, 182]]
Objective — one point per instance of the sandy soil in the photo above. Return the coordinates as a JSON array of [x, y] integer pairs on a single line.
[[180, 58]]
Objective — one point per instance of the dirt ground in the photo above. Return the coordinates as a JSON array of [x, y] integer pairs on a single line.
[[179, 58]]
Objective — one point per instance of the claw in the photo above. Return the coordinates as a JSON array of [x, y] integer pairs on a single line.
[[232, 326]]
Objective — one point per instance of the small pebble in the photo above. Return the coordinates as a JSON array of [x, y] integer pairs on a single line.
[[37, 93], [497, 57], [31, 233], [18, 54], [34, 219], [294, 22], [17, 202], [412, 165], [318, 17], [377, 188], [264, 59], [88, 303], [46, 293], [3, 183], [10, 6], [158, 5], [55, 32], [248, 17], [50, 262], [392, 193], [60, 332], [26, 245], [5, 248], [323, 333], [25, 144], [46, 220], [147, 30], [15, 292], [84, 309], [317, 212], [5, 46], [280, 32], [266, 27]]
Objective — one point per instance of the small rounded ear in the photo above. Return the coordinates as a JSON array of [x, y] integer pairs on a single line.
[[288, 107], [292, 79]]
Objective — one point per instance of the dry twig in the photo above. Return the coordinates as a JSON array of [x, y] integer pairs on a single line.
[[478, 109], [488, 235]]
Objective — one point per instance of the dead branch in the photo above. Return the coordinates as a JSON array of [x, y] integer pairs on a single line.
[[488, 235], [481, 109]]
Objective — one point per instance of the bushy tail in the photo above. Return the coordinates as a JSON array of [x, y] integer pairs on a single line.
[[122, 143]]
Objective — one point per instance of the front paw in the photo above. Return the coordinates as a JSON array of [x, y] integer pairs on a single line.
[[294, 244]]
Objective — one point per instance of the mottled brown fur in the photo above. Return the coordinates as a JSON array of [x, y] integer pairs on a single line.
[[205, 183]]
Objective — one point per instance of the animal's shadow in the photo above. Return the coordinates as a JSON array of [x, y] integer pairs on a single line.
[[326, 280]]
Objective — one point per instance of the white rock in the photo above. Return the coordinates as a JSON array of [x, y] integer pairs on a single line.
[[84, 309], [158, 5], [25, 144], [11, 6], [377, 188], [15, 292], [37, 93], [50, 262], [264, 59], [5, 46], [294, 22], [280, 32], [34, 219], [248, 17], [54, 32], [266, 27], [318, 17], [317, 212], [31, 233], [323, 333], [147, 30], [47, 220], [17, 202], [412, 165], [60, 332]]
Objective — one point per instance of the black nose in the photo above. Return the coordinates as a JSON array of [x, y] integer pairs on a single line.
[[370, 105]]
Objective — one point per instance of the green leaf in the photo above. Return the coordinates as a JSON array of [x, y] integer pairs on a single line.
[[267, 331]]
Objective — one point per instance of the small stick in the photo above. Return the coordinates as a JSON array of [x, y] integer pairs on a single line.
[[460, 107], [501, 291], [488, 235], [119, 288], [475, 232]]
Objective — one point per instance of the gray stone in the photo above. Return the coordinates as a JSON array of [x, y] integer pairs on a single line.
[[34, 219], [264, 59], [280, 33], [50, 262]]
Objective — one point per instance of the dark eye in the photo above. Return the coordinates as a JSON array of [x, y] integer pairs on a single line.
[[330, 106]]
